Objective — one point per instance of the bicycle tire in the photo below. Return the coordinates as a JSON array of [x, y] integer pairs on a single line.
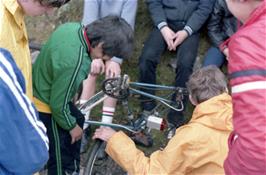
[[101, 165]]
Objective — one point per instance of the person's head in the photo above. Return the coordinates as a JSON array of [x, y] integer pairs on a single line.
[[110, 36], [206, 83], [40, 7], [242, 9]]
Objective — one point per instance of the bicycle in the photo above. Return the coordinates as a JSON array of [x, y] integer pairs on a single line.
[[122, 89]]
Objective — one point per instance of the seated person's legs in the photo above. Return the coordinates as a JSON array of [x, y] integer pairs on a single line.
[[186, 55], [213, 57], [148, 61]]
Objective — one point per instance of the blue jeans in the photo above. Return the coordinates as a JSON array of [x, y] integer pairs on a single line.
[[150, 58], [214, 57]]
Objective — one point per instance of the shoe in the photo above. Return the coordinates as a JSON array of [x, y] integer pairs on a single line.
[[142, 139]]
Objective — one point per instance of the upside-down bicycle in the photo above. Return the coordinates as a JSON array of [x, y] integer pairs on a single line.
[[122, 89], [97, 162]]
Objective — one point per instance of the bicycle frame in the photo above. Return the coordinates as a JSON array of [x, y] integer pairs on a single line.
[[121, 88]]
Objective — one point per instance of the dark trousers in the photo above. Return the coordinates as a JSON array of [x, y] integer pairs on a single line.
[[63, 156], [186, 54], [214, 57]]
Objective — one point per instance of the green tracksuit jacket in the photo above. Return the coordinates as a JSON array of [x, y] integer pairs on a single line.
[[62, 65]]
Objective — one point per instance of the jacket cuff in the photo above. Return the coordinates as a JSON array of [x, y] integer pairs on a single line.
[[66, 126], [117, 60], [224, 45], [188, 30], [161, 25], [72, 126]]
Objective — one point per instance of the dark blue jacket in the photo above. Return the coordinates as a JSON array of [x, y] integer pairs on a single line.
[[23, 140], [192, 13]]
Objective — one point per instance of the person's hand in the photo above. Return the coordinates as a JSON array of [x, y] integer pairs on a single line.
[[181, 35], [169, 37], [76, 134], [104, 133], [226, 53], [97, 67], [112, 69]]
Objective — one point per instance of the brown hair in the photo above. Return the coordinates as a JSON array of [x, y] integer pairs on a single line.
[[115, 33], [206, 83]]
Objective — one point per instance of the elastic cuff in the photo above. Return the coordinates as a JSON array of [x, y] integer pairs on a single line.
[[73, 125], [161, 25], [188, 30], [117, 60], [222, 47]]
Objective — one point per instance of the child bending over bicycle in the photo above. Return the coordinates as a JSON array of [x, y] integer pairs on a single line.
[[198, 147], [93, 10], [62, 65]]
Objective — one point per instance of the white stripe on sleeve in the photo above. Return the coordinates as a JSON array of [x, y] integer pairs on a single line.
[[249, 86], [22, 98]]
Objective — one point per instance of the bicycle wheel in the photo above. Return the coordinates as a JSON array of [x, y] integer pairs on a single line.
[[99, 163]]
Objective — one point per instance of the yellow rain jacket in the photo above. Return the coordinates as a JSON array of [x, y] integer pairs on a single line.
[[13, 37], [199, 147]]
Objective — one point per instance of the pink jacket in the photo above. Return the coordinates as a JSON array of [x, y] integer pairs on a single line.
[[247, 69]]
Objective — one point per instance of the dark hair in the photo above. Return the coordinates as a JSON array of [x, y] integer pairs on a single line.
[[53, 3], [115, 34], [206, 83]]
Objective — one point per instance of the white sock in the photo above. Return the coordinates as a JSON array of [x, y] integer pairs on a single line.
[[107, 115]]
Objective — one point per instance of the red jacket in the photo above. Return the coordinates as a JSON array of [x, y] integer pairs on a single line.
[[247, 69]]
